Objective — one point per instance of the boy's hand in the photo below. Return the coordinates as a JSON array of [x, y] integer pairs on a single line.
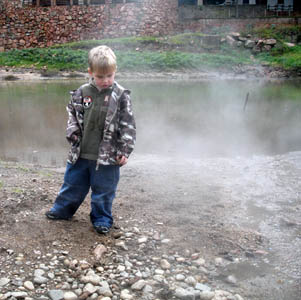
[[122, 160]]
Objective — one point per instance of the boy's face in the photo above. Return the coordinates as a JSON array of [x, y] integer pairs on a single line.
[[103, 80]]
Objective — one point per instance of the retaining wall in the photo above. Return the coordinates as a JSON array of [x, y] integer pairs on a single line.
[[25, 27]]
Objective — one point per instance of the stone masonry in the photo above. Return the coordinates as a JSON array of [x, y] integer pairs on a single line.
[[31, 26]]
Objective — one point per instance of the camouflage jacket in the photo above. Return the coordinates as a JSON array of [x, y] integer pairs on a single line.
[[119, 134]]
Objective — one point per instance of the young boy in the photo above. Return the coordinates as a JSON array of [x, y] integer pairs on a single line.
[[102, 132]]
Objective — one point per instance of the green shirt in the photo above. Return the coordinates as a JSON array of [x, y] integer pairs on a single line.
[[94, 120]]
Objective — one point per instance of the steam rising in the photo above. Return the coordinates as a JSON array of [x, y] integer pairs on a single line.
[[181, 118], [208, 119]]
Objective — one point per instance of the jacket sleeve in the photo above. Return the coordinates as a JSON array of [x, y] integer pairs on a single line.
[[127, 126], [73, 131]]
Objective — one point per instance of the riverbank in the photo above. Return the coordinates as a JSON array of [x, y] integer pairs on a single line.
[[200, 240], [191, 55], [238, 72]]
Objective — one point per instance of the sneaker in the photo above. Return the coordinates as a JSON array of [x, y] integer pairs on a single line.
[[102, 229], [53, 216]]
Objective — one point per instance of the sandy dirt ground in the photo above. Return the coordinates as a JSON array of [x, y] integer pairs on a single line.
[[245, 211]]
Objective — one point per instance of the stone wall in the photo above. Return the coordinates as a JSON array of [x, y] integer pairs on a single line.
[[25, 27]]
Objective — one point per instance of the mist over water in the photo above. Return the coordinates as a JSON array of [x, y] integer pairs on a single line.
[[206, 119], [182, 118]]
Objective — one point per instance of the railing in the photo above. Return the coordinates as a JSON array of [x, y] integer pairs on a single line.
[[280, 7]]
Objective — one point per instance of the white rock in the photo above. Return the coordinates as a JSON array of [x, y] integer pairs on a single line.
[[19, 295], [142, 240], [206, 295], [70, 296], [29, 285], [165, 265], [99, 251], [121, 244], [91, 278], [180, 277], [202, 287], [191, 281], [159, 272], [238, 297], [125, 295], [231, 279], [40, 280], [148, 289], [219, 261], [39, 272], [104, 289], [165, 241], [90, 288], [56, 294], [139, 285], [159, 278], [184, 293], [120, 268], [200, 261], [4, 281]]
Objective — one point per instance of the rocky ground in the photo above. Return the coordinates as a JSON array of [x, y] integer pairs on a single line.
[[170, 239], [139, 259]]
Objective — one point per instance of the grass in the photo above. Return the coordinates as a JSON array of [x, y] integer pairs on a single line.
[[73, 56], [289, 59]]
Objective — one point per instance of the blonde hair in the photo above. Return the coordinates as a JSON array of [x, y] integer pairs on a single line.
[[102, 59]]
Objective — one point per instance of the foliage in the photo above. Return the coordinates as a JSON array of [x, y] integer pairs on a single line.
[[70, 59], [165, 57], [290, 59], [280, 33]]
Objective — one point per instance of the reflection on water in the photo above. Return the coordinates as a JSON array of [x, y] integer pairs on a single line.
[[196, 119]]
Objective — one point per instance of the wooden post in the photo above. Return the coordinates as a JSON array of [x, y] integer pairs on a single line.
[[71, 2], [53, 2], [38, 3]]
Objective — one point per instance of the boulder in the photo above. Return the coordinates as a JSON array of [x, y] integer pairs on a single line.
[[249, 44], [271, 42]]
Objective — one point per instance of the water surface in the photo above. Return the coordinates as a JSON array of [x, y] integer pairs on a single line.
[[183, 118]]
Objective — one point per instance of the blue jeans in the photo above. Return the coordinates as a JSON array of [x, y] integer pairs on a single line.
[[77, 181]]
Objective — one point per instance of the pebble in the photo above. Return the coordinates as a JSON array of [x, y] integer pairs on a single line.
[[142, 240], [125, 275], [4, 281], [29, 285], [19, 295], [125, 295], [139, 285], [70, 296], [202, 287], [104, 289], [56, 294], [90, 288], [40, 280], [207, 295], [180, 277], [99, 251], [165, 265]]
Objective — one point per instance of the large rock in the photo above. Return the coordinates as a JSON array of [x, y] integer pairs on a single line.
[[249, 44], [271, 42], [230, 40]]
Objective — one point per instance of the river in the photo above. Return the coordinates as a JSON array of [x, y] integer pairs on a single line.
[[229, 149]]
